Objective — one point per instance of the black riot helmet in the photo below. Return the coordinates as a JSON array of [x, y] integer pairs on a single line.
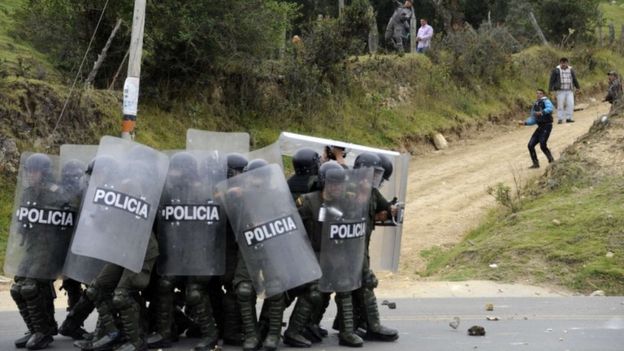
[[39, 163], [108, 168], [184, 162], [386, 163], [255, 163], [369, 159], [182, 168], [236, 164], [142, 153], [331, 171], [306, 162], [71, 175]]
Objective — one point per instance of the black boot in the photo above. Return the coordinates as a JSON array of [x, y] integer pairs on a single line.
[[72, 325], [247, 301], [38, 311], [23, 310], [347, 336], [298, 320], [108, 335], [275, 313], [199, 300], [374, 329], [164, 308], [232, 334], [129, 316]]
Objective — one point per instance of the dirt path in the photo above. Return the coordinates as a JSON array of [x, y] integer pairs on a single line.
[[447, 189]]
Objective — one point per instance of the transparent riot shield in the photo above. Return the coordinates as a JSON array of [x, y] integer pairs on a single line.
[[191, 225], [73, 157], [269, 231], [385, 243], [120, 203], [344, 212], [42, 222], [270, 153], [224, 142]]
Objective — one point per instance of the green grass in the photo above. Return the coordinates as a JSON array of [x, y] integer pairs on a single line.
[[17, 57], [613, 13], [530, 246]]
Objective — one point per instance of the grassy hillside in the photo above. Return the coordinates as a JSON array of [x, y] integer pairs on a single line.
[[568, 230], [389, 101]]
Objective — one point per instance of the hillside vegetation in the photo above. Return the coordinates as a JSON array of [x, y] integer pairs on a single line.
[[566, 228], [384, 100]]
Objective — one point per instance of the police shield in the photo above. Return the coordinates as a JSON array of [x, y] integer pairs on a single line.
[[42, 221], [75, 160], [191, 225], [270, 153], [224, 142], [269, 231], [346, 196], [120, 203], [385, 243]]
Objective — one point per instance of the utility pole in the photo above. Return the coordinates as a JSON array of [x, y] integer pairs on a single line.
[[131, 85], [340, 7]]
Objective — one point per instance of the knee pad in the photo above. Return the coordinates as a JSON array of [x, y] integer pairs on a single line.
[[165, 286], [30, 289], [193, 294], [122, 298], [369, 280], [314, 296], [16, 292], [92, 293], [245, 290]]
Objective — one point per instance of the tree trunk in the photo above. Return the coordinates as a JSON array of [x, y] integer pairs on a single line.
[[102, 56], [537, 28]]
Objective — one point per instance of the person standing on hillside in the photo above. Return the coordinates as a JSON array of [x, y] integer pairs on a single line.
[[399, 26], [541, 114], [563, 81], [425, 33], [614, 94]]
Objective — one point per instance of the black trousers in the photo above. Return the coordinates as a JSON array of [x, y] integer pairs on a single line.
[[540, 136]]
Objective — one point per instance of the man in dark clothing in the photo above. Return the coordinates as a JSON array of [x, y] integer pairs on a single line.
[[614, 94], [541, 114]]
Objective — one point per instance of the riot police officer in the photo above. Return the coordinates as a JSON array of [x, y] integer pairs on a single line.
[[306, 163], [366, 302], [32, 289], [331, 180]]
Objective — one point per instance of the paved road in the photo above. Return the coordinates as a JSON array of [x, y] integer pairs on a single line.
[[565, 323]]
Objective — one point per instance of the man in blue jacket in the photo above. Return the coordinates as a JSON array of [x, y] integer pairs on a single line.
[[541, 114]]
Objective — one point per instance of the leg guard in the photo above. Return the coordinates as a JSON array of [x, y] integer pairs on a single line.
[[128, 309], [163, 314], [275, 311], [374, 330], [232, 333], [38, 310], [197, 298], [72, 325], [347, 336], [247, 300], [16, 294], [299, 318]]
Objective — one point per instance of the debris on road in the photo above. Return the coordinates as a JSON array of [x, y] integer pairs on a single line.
[[491, 318], [476, 330], [489, 307], [454, 323]]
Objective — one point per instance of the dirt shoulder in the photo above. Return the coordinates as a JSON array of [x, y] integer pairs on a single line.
[[447, 189]]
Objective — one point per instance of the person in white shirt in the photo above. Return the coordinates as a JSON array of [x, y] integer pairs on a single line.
[[563, 81], [425, 33]]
